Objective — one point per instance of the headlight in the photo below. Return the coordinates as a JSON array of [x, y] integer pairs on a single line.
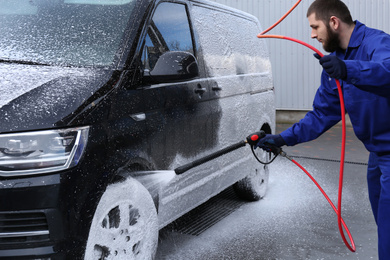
[[41, 151]]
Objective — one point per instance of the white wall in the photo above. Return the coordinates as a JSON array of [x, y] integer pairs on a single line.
[[296, 72]]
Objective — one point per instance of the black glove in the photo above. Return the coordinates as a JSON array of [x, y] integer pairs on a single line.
[[270, 140], [334, 66]]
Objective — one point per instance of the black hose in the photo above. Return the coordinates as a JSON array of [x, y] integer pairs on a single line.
[[275, 150]]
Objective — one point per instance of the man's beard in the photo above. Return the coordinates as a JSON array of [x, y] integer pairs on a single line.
[[333, 42]]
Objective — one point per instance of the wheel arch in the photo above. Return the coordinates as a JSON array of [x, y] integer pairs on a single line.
[[266, 128]]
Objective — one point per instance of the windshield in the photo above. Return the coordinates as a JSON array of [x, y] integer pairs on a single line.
[[63, 32]]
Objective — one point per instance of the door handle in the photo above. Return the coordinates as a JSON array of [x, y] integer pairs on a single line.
[[215, 87], [199, 90], [138, 117]]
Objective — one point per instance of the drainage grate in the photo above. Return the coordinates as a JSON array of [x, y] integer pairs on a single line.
[[208, 214]]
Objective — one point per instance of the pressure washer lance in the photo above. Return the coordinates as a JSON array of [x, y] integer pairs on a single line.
[[252, 140]]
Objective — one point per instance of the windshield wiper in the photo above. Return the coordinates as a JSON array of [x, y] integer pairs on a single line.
[[25, 62]]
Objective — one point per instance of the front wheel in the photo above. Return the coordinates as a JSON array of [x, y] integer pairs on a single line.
[[125, 224]]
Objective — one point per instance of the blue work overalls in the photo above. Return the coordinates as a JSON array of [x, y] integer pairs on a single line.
[[366, 93]]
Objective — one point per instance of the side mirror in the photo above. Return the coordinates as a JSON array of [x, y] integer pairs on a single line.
[[173, 66]]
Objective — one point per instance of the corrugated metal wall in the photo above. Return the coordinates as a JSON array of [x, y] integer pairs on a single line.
[[296, 72]]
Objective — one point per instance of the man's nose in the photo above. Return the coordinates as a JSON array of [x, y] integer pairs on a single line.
[[313, 34]]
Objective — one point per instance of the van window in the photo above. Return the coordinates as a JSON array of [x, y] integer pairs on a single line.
[[169, 30]]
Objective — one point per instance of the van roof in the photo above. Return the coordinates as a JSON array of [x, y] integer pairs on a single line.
[[225, 8]]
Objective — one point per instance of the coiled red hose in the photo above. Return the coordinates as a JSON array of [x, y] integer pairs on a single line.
[[340, 220]]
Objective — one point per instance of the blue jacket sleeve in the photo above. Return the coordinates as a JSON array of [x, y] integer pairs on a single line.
[[325, 114], [371, 71]]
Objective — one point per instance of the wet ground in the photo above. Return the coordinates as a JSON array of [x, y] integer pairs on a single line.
[[293, 221]]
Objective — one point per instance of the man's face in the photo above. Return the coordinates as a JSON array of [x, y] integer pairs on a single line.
[[324, 34]]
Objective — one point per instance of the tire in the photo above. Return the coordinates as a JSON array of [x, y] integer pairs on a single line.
[[254, 186], [125, 224]]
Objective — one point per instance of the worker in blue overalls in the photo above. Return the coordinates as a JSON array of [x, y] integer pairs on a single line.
[[360, 59]]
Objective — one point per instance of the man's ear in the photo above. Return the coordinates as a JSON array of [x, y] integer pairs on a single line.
[[334, 23]]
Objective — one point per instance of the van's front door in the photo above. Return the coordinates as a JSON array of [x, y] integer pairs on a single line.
[[177, 113]]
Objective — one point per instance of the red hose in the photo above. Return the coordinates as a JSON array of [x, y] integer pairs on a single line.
[[281, 19], [340, 221]]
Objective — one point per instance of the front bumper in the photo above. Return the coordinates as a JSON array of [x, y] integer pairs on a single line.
[[31, 222]]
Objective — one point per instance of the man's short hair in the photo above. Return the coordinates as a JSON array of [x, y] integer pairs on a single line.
[[324, 9]]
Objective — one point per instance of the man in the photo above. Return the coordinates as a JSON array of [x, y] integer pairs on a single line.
[[360, 59]]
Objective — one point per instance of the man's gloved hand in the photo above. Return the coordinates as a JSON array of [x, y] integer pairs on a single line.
[[270, 140], [334, 66]]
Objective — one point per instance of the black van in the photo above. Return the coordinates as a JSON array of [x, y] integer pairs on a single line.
[[101, 99]]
